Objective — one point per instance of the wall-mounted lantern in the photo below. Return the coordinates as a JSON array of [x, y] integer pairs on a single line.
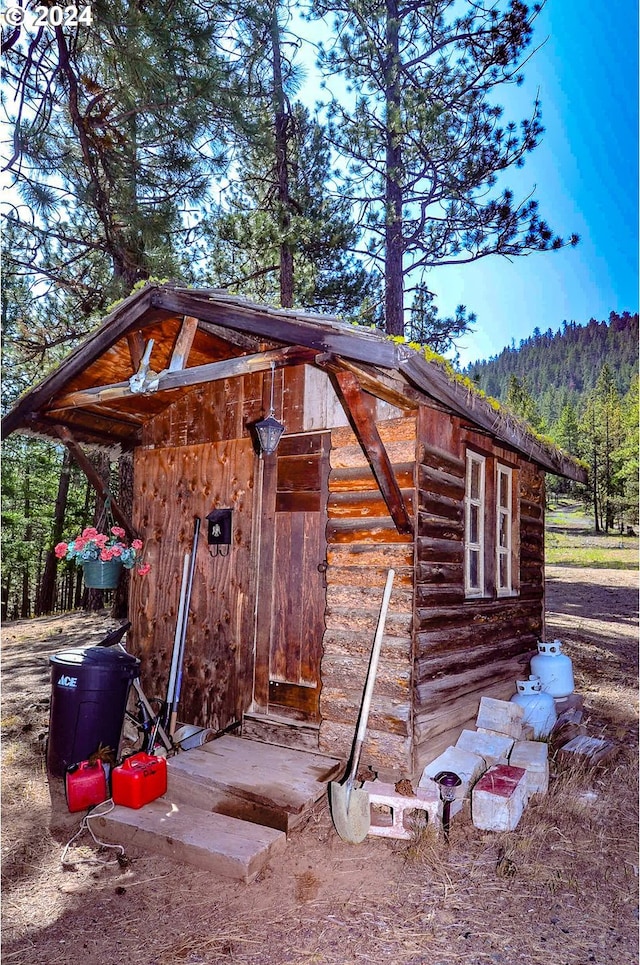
[[219, 523], [269, 430]]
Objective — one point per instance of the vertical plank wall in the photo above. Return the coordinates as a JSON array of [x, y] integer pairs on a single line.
[[197, 455], [467, 648], [362, 543]]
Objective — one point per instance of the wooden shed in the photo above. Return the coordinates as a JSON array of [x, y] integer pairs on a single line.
[[386, 461]]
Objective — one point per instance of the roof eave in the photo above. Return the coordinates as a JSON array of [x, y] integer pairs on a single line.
[[433, 381]]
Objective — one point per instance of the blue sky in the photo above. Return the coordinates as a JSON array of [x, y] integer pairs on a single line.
[[585, 176]]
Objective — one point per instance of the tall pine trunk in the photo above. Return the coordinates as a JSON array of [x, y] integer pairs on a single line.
[[282, 121], [46, 597], [394, 281]]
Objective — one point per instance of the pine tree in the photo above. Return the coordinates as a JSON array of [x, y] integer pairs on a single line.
[[423, 137], [117, 128], [601, 433], [247, 236]]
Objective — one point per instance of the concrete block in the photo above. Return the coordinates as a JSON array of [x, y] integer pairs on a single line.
[[499, 798], [500, 716], [534, 757], [393, 814], [494, 748], [467, 765]]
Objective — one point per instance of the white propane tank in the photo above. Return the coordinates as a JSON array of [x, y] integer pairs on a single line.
[[554, 669], [539, 707]]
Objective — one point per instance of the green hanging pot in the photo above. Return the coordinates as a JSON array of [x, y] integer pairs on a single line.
[[102, 574]]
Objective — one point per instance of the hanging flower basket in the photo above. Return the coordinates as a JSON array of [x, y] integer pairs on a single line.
[[102, 574], [102, 556]]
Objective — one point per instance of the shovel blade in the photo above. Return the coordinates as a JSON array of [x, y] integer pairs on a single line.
[[353, 820]]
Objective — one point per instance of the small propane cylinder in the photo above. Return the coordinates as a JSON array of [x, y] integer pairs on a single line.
[[554, 669], [539, 707]]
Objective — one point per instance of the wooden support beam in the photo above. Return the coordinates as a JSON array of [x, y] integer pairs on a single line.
[[135, 341], [183, 343], [360, 410], [197, 375], [98, 484], [249, 343]]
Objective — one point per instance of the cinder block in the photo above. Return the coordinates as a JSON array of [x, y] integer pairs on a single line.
[[534, 757], [397, 821], [494, 748], [501, 717], [499, 798], [467, 765]]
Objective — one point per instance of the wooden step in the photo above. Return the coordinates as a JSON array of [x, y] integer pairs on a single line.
[[281, 731], [213, 842], [252, 781]]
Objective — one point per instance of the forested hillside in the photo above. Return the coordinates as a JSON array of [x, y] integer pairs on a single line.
[[579, 386], [562, 367]]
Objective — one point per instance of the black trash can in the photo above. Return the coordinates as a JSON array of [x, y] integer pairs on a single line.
[[89, 691]]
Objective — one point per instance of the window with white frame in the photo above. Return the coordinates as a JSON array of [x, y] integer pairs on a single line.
[[474, 514], [504, 519]]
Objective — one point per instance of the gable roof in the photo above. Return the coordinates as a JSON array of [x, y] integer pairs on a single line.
[[107, 388]]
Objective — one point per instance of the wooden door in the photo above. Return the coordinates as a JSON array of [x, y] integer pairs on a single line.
[[291, 582]]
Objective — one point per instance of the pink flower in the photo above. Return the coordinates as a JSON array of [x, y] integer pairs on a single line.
[[116, 550], [79, 543], [118, 531], [136, 544], [61, 550], [106, 554], [144, 569], [100, 540], [89, 533]]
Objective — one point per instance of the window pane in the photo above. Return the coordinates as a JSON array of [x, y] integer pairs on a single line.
[[504, 530], [473, 568], [475, 479], [474, 529], [504, 489], [504, 573]]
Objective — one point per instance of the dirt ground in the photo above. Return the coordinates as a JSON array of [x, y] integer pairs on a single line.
[[560, 890]]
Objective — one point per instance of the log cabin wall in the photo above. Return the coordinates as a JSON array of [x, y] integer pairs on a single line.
[[362, 543], [465, 648], [198, 454]]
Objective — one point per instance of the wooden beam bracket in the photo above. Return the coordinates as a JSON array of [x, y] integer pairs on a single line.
[[360, 410], [94, 478]]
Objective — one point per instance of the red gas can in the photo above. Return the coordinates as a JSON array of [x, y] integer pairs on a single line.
[[139, 779], [86, 785]]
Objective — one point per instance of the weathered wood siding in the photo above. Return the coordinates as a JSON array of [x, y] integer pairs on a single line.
[[196, 455], [172, 486], [362, 544], [465, 648]]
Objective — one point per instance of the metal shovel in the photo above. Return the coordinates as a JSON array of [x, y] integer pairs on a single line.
[[350, 806]]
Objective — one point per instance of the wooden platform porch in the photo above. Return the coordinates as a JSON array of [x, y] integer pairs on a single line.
[[230, 805]]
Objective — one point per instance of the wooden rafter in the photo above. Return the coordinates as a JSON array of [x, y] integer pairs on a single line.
[[96, 481], [360, 410], [197, 375], [135, 340], [183, 343]]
